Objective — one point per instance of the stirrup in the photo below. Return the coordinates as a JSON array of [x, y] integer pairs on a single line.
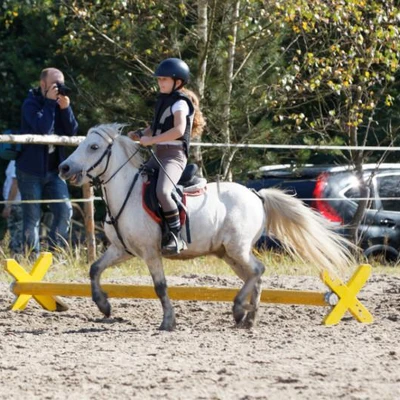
[[180, 245]]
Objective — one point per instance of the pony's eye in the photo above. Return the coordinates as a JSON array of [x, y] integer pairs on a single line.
[[94, 146]]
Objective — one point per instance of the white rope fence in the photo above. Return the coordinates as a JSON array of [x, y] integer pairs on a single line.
[[18, 202], [295, 146], [76, 140]]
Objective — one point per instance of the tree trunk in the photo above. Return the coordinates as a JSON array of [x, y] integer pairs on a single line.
[[202, 32], [88, 193], [362, 204], [358, 158], [226, 96]]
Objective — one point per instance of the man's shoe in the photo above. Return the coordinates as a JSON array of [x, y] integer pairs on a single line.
[[174, 246]]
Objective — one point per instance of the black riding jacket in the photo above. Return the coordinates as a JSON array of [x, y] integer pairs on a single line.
[[164, 119]]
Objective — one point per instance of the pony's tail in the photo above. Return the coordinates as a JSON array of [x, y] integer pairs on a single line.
[[305, 233]]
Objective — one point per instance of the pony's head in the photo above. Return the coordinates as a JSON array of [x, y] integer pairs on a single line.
[[94, 155]]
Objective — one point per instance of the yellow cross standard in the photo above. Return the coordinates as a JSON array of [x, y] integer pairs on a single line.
[[347, 296], [39, 270]]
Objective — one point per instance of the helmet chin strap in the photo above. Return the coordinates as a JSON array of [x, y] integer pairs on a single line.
[[175, 87]]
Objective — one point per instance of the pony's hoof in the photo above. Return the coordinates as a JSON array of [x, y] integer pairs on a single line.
[[238, 313], [250, 321], [103, 304], [167, 326], [106, 309]]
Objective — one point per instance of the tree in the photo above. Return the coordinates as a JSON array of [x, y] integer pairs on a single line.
[[227, 89], [341, 65], [243, 40]]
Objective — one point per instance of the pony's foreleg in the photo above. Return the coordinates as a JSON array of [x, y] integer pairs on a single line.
[[160, 285], [112, 256]]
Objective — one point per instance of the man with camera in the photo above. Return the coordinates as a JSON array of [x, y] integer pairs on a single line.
[[46, 111]]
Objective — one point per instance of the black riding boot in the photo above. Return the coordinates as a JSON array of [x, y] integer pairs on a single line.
[[175, 242]]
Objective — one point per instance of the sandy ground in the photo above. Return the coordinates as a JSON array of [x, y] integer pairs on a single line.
[[290, 355]]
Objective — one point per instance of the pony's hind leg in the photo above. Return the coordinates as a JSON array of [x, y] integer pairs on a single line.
[[112, 256], [160, 285], [251, 317], [249, 269]]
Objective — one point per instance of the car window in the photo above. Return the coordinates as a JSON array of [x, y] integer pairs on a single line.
[[389, 188], [353, 192]]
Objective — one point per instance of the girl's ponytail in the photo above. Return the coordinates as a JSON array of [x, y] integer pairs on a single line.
[[199, 121]]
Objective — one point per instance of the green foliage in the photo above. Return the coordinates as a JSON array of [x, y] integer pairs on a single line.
[[341, 63], [315, 72]]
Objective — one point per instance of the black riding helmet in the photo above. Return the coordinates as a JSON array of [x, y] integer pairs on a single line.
[[175, 68]]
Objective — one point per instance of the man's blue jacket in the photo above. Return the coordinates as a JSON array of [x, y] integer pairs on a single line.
[[43, 117]]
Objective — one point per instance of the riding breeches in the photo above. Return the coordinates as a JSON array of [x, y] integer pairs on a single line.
[[173, 159]]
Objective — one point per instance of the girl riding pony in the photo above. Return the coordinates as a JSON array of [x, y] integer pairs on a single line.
[[176, 118]]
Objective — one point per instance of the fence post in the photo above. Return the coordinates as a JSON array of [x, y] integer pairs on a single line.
[[88, 209]]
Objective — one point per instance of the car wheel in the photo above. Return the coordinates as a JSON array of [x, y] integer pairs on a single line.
[[382, 253]]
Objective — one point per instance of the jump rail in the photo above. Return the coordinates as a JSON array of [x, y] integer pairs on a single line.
[[340, 298]]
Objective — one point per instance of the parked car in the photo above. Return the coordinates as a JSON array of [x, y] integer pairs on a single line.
[[334, 191]]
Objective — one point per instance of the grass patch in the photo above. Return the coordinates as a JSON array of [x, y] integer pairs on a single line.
[[71, 265]]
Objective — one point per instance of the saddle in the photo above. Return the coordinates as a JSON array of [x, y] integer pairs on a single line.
[[189, 185]]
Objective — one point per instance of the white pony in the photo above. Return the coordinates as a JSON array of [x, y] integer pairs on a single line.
[[226, 222]]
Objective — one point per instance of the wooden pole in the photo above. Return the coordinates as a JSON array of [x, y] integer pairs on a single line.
[[88, 210], [175, 292]]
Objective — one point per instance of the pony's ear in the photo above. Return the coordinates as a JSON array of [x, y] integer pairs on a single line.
[[112, 130], [120, 127]]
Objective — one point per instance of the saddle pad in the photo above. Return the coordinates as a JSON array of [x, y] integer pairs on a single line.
[[196, 190], [151, 206]]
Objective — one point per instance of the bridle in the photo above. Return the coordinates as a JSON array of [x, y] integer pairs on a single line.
[[100, 184], [95, 180]]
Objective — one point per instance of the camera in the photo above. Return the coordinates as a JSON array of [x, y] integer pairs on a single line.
[[63, 89]]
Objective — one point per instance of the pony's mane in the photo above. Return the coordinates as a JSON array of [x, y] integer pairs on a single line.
[[114, 132]]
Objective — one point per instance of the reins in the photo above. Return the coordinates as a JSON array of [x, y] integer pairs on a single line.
[[114, 221], [97, 183]]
